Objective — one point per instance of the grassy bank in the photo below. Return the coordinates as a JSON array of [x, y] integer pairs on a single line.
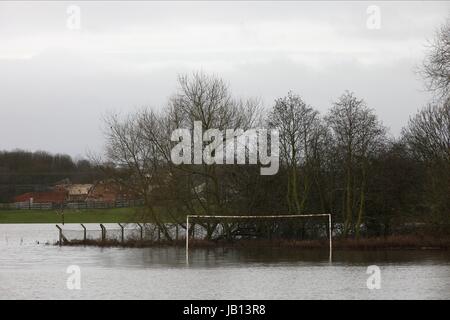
[[378, 243], [70, 216]]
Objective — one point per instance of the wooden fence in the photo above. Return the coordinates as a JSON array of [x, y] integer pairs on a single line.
[[71, 205]]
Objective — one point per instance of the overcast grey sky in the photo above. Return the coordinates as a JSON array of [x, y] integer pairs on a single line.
[[56, 83]]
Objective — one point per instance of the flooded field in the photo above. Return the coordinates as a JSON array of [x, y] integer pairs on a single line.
[[31, 267]]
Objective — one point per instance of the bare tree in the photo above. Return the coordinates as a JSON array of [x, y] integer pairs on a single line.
[[436, 66], [297, 123], [137, 149], [323, 164], [428, 133], [207, 99], [428, 138], [357, 133]]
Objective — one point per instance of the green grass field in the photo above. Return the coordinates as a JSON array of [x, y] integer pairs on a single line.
[[70, 216]]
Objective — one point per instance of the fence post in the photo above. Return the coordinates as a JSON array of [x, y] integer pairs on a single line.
[[176, 232], [84, 232], [103, 232], [142, 234], [60, 234], [121, 228]]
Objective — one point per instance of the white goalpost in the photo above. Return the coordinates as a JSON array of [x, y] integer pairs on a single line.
[[260, 217]]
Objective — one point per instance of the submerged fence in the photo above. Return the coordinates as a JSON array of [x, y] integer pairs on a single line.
[[71, 205], [120, 233], [130, 232]]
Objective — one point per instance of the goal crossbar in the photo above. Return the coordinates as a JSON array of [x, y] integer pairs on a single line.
[[260, 217]]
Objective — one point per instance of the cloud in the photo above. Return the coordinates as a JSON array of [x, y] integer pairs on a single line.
[[56, 83]]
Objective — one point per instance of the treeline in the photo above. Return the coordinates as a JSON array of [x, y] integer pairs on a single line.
[[23, 171], [342, 162]]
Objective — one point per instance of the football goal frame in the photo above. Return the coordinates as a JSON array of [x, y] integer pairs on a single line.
[[288, 216]]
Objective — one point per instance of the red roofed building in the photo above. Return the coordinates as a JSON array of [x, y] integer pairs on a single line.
[[42, 197]]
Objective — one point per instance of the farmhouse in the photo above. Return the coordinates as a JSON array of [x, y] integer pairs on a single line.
[[78, 192], [66, 192]]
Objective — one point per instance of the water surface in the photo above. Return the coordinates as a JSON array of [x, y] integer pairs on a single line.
[[31, 267]]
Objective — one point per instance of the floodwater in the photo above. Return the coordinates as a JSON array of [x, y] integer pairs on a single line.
[[30, 268]]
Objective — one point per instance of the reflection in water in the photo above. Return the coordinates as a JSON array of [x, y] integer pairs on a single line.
[[31, 269]]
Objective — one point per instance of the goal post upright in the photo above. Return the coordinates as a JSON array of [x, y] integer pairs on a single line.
[[330, 236], [261, 217], [187, 239]]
